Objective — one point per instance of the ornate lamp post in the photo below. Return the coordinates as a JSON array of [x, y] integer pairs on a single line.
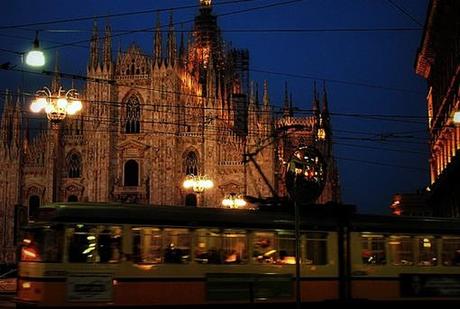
[[56, 105], [198, 183], [233, 200]]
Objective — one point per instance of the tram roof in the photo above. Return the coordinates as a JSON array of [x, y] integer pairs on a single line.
[[317, 217]]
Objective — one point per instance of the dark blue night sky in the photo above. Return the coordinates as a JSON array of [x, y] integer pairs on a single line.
[[376, 100]]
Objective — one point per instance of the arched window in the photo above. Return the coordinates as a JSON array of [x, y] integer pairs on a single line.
[[74, 165], [190, 200], [191, 164], [133, 115], [34, 206], [72, 198], [131, 173]]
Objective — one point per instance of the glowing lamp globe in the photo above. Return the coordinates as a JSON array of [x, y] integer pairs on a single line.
[[456, 117], [62, 103], [74, 107], [38, 104], [35, 58]]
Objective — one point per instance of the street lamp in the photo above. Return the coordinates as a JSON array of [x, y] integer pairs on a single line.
[[198, 183], [35, 57], [233, 200], [456, 118], [56, 105]]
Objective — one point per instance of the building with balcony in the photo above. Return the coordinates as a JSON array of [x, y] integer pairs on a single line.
[[438, 60]]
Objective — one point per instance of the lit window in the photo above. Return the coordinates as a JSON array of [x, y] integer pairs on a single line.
[[373, 249], [401, 250]]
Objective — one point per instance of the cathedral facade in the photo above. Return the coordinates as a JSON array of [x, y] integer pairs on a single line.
[[149, 120]]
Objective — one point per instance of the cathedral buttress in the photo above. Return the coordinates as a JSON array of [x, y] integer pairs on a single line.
[[93, 62]]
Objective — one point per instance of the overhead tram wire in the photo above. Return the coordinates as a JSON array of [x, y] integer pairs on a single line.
[[382, 148], [185, 22], [280, 73], [122, 14], [76, 44], [381, 117], [384, 164], [258, 70], [79, 77], [405, 12], [257, 31], [338, 81], [216, 130]]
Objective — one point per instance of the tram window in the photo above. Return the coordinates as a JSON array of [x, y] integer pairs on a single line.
[[109, 244], [451, 251], [316, 249], [147, 243], [234, 247], [401, 250], [92, 244], [427, 253], [177, 245], [42, 245], [264, 247], [373, 249], [82, 244], [286, 248], [208, 248]]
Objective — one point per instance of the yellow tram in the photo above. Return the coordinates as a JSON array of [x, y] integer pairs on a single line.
[[91, 254]]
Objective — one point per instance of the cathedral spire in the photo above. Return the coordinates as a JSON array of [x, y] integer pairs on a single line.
[[158, 44], [286, 101], [325, 109], [56, 82], [172, 53], [291, 107], [210, 80], [93, 49], [5, 125], [257, 95], [26, 134], [266, 97], [107, 51], [266, 116], [252, 112], [315, 100], [181, 46], [17, 123], [119, 53]]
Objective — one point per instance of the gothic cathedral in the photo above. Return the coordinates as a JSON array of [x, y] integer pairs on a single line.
[[149, 120]]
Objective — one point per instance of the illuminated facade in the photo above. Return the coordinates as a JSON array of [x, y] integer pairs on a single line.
[[148, 121], [438, 62]]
